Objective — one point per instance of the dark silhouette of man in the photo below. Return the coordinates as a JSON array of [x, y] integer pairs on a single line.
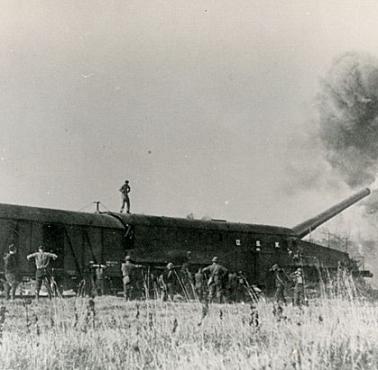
[[299, 290], [11, 267], [199, 284], [129, 278], [99, 273], [215, 283], [279, 281], [169, 282], [125, 190]]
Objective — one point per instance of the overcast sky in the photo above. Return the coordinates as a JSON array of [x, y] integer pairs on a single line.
[[205, 106]]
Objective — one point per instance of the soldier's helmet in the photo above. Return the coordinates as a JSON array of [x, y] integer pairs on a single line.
[[299, 270], [127, 258], [170, 266], [275, 267], [215, 259]]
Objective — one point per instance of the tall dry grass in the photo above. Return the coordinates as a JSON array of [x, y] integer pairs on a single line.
[[337, 331]]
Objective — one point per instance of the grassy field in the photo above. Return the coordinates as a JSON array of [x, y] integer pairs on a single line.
[[110, 333]]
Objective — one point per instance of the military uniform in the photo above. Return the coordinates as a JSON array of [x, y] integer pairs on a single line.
[[87, 286], [187, 280], [215, 282], [125, 190], [11, 270], [169, 281], [298, 287], [241, 287], [99, 272], [279, 282], [128, 278]]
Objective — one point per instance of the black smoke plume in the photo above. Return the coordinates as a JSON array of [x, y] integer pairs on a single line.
[[348, 112]]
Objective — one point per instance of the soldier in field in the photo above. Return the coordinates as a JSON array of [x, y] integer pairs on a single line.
[[215, 283], [187, 277], [169, 282], [280, 283], [42, 274], [11, 269], [232, 287], [99, 274], [129, 278], [199, 284], [299, 291]]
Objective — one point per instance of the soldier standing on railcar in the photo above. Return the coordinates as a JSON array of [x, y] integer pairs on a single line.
[[42, 260], [215, 282], [125, 190], [128, 269], [11, 269]]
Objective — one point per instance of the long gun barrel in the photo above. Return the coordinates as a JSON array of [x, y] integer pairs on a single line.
[[306, 227]]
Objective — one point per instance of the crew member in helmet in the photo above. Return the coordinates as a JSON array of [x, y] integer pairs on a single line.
[[217, 274]]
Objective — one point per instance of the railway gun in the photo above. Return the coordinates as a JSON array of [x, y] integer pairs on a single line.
[[80, 238]]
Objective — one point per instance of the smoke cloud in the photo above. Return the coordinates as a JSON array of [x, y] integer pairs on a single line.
[[348, 112], [348, 124]]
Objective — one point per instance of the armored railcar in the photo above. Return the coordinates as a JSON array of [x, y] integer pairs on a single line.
[[79, 238]]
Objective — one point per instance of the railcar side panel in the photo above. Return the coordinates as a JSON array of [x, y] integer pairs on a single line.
[[236, 250]]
